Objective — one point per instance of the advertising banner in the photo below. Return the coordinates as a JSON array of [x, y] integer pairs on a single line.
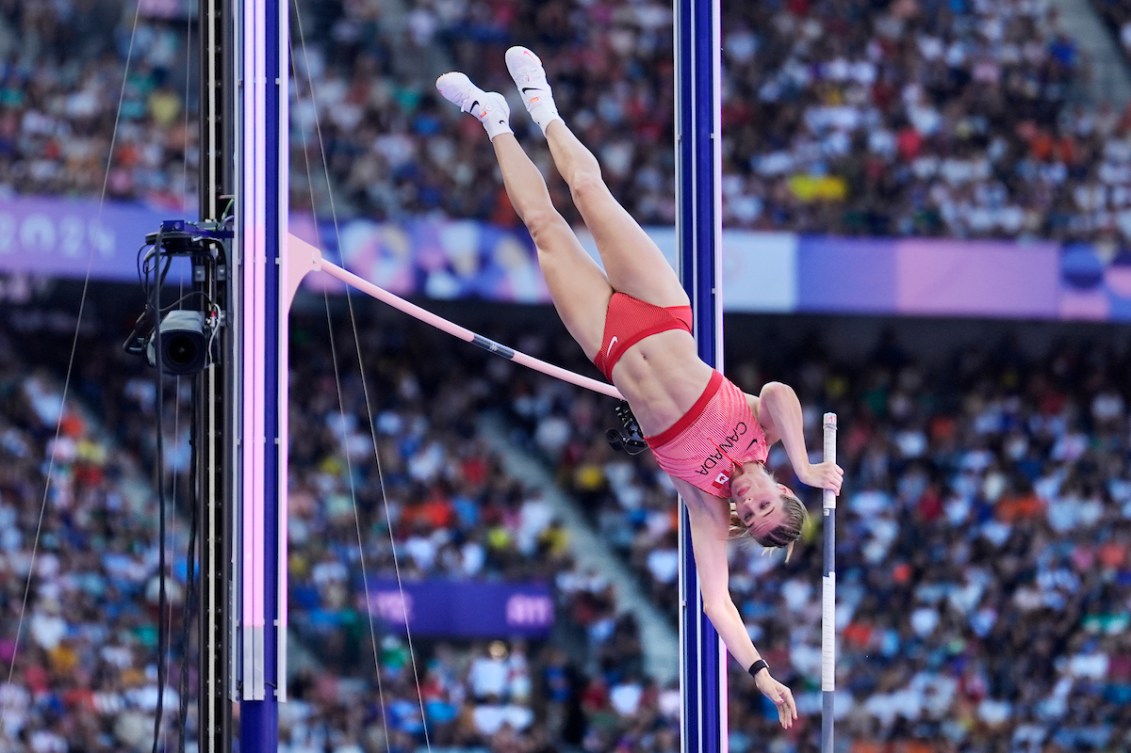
[[463, 609], [763, 272], [66, 238]]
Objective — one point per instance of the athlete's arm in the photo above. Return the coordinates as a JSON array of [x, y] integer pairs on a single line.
[[710, 526], [779, 412]]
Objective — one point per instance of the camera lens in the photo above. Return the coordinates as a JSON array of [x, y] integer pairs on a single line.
[[182, 343], [180, 350]]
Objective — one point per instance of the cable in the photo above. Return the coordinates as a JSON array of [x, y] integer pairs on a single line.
[[369, 413], [140, 264], [190, 562], [190, 558], [50, 460], [159, 463]]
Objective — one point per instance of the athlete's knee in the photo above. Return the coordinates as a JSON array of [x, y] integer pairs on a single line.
[[544, 223], [588, 188], [531, 205]]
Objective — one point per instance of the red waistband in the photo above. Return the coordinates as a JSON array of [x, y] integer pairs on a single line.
[[696, 410], [629, 320]]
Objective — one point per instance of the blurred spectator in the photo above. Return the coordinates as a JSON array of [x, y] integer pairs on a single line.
[[982, 569], [976, 577], [87, 656], [982, 583], [964, 120]]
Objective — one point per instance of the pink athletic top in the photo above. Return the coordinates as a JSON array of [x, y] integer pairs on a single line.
[[718, 433]]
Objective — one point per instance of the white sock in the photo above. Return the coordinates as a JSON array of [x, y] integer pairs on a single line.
[[545, 115], [492, 112], [494, 127]]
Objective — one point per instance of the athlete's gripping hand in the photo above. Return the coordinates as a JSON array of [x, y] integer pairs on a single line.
[[780, 695], [826, 475]]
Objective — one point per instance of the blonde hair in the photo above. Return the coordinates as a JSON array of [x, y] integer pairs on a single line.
[[784, 535]]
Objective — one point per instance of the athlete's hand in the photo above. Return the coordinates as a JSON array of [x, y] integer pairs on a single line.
[[780, 695], [826, 475]]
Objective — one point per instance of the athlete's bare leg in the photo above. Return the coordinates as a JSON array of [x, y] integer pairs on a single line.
[[633, 262], [577, 285]]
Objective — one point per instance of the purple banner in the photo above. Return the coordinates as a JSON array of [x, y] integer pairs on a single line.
[[846, 274], [929, 277], [462, 609], [764, 272], [66, 238], [976, 278]]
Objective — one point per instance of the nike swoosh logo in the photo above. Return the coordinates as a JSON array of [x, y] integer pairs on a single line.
[[473, 105], [526, 89], [612, 344]]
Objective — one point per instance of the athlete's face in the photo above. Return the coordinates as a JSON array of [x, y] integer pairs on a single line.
[[757, 499]]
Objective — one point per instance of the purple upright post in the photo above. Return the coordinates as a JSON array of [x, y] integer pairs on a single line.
[[699, 229], [260, 327]]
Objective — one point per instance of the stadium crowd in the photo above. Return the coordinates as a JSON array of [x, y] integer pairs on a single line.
[[983, 580], [984, 590], [80, 635], [906, 118], [983, 586]]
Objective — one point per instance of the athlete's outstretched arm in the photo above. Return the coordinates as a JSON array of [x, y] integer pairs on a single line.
[[710, 526], [780, 415]]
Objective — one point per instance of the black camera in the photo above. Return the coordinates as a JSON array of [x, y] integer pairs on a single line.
[[183, 340]]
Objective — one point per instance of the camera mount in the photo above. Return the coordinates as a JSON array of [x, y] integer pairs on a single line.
[[179, 340]]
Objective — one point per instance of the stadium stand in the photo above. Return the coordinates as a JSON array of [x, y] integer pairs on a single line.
[[982, 563], [983, 582], [913, 119]]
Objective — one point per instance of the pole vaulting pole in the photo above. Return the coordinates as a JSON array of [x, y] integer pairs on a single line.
[[260, 328], [828, 596], [305, 251], [699, 229]]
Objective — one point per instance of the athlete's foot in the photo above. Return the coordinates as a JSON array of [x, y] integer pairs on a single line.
[[530, 78], [489, 108]]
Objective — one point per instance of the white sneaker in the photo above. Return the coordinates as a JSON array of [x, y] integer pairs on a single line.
[[489, 108], [530, 78]]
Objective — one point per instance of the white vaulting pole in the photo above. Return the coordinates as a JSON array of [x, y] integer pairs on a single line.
[[828, 596], [306, 258]]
